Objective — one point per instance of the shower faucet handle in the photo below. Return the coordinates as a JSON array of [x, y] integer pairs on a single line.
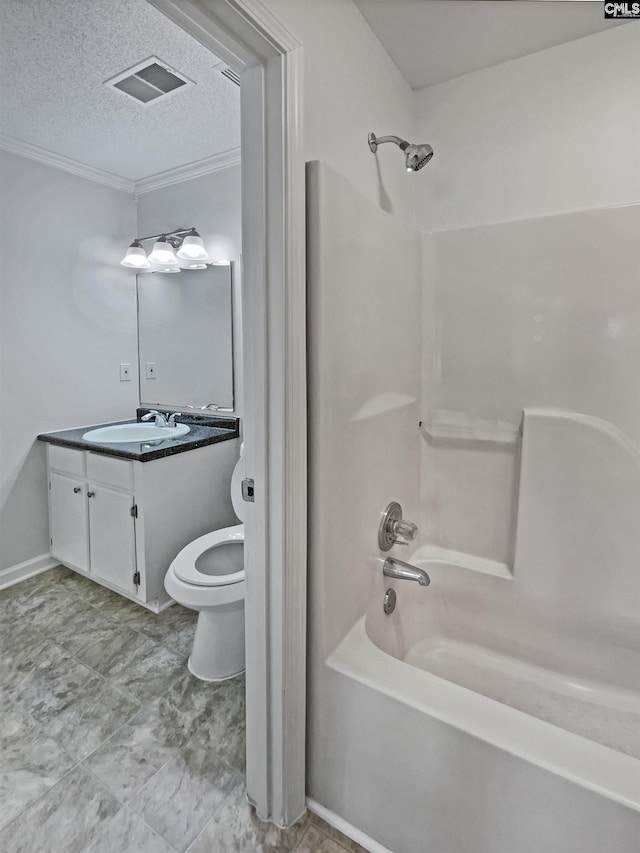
[[404, 531], [394, 529]]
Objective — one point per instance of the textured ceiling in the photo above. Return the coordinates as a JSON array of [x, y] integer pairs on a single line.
[[435, 40], [55, 57]]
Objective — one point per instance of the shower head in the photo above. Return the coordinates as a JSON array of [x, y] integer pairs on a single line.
[[416, 156]]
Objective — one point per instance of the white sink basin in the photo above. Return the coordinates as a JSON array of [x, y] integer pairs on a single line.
[[121, 433]]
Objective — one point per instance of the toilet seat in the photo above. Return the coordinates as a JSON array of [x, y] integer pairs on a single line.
[[185, 565]]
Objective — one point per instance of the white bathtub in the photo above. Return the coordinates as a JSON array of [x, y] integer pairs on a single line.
[[462, 740]]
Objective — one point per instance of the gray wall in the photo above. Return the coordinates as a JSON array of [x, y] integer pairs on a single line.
[[68, 319], [68, 314]]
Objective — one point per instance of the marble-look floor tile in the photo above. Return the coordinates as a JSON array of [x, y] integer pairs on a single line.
[[81, 629], [48, 608], [87, 717], [124, 765], [58, 577], [223, 733], [30, 761], [66, 818], [36, 584], [49, 677], [316, 841], [158, 626], [180, 640], [185, 794], [236, 829], [128, 833], [231, 688], [19, 653], [10, 593], [74, 582], [136, 751], [149, 675], [41, 666], [16, 636], [111, 604], [326, 829], [188, 692], [115, 654]]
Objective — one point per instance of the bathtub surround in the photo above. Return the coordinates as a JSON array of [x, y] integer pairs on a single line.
[[529, 276], [535, 313], [529, 629], [552, 132], [529, 299]]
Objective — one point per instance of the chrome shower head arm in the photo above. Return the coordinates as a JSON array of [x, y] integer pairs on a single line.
[[374, 141]]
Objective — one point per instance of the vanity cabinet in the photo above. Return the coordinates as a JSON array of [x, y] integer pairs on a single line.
[[69, 520], [121, 522]]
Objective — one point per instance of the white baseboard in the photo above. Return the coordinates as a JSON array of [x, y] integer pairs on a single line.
[[346, 828], [21, 571]]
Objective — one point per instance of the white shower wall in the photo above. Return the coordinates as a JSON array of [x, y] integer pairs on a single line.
[[524, 304], [552, 132], [529, 265]]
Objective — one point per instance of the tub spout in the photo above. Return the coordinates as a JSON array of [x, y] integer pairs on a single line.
[[394, 568]]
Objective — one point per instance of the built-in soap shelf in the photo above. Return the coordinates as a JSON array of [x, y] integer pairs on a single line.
[[430, 553], [458, 426]]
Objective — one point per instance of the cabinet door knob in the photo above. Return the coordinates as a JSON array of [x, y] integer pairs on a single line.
[[76, 489], [90, 494]]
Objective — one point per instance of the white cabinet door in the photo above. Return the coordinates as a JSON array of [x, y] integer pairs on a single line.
[[69, 521], [112, 536]]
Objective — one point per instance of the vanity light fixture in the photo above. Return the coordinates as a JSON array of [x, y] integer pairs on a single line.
[[163, 253], [136, 257], [192, 248], [163, 257]]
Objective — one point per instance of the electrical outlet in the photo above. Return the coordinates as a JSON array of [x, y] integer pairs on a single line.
[[125, 373], [150, 367]]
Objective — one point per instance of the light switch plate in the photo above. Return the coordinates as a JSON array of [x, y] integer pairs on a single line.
[[150, 368], [125, 373]]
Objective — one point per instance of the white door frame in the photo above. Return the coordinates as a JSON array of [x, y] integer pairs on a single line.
[[252, 41]]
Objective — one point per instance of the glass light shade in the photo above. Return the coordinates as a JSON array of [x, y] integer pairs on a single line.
[[163, 254], [193, 249], [168, 269], [193, 266], [135, 257]]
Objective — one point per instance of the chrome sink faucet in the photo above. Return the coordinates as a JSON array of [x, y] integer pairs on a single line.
[[160, 419]]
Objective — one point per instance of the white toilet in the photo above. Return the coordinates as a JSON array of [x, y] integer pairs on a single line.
[[208, 576]]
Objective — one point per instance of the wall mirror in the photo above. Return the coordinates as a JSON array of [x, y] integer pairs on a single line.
[[185, 338]]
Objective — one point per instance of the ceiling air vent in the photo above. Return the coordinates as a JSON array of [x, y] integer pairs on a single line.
[[230, 74], [149, 81]]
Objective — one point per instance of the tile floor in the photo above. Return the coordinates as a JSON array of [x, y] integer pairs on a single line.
[[109, 745]]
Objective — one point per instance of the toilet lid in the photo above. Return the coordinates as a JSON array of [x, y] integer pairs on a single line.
[[216, 559]]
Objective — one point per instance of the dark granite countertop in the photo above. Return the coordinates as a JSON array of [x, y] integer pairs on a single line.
[[203, 430]]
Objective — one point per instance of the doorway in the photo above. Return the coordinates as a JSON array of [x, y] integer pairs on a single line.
[[268, 61]]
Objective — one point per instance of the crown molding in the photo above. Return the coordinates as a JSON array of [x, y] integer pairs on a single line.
[[50, 158], [206, 166]]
